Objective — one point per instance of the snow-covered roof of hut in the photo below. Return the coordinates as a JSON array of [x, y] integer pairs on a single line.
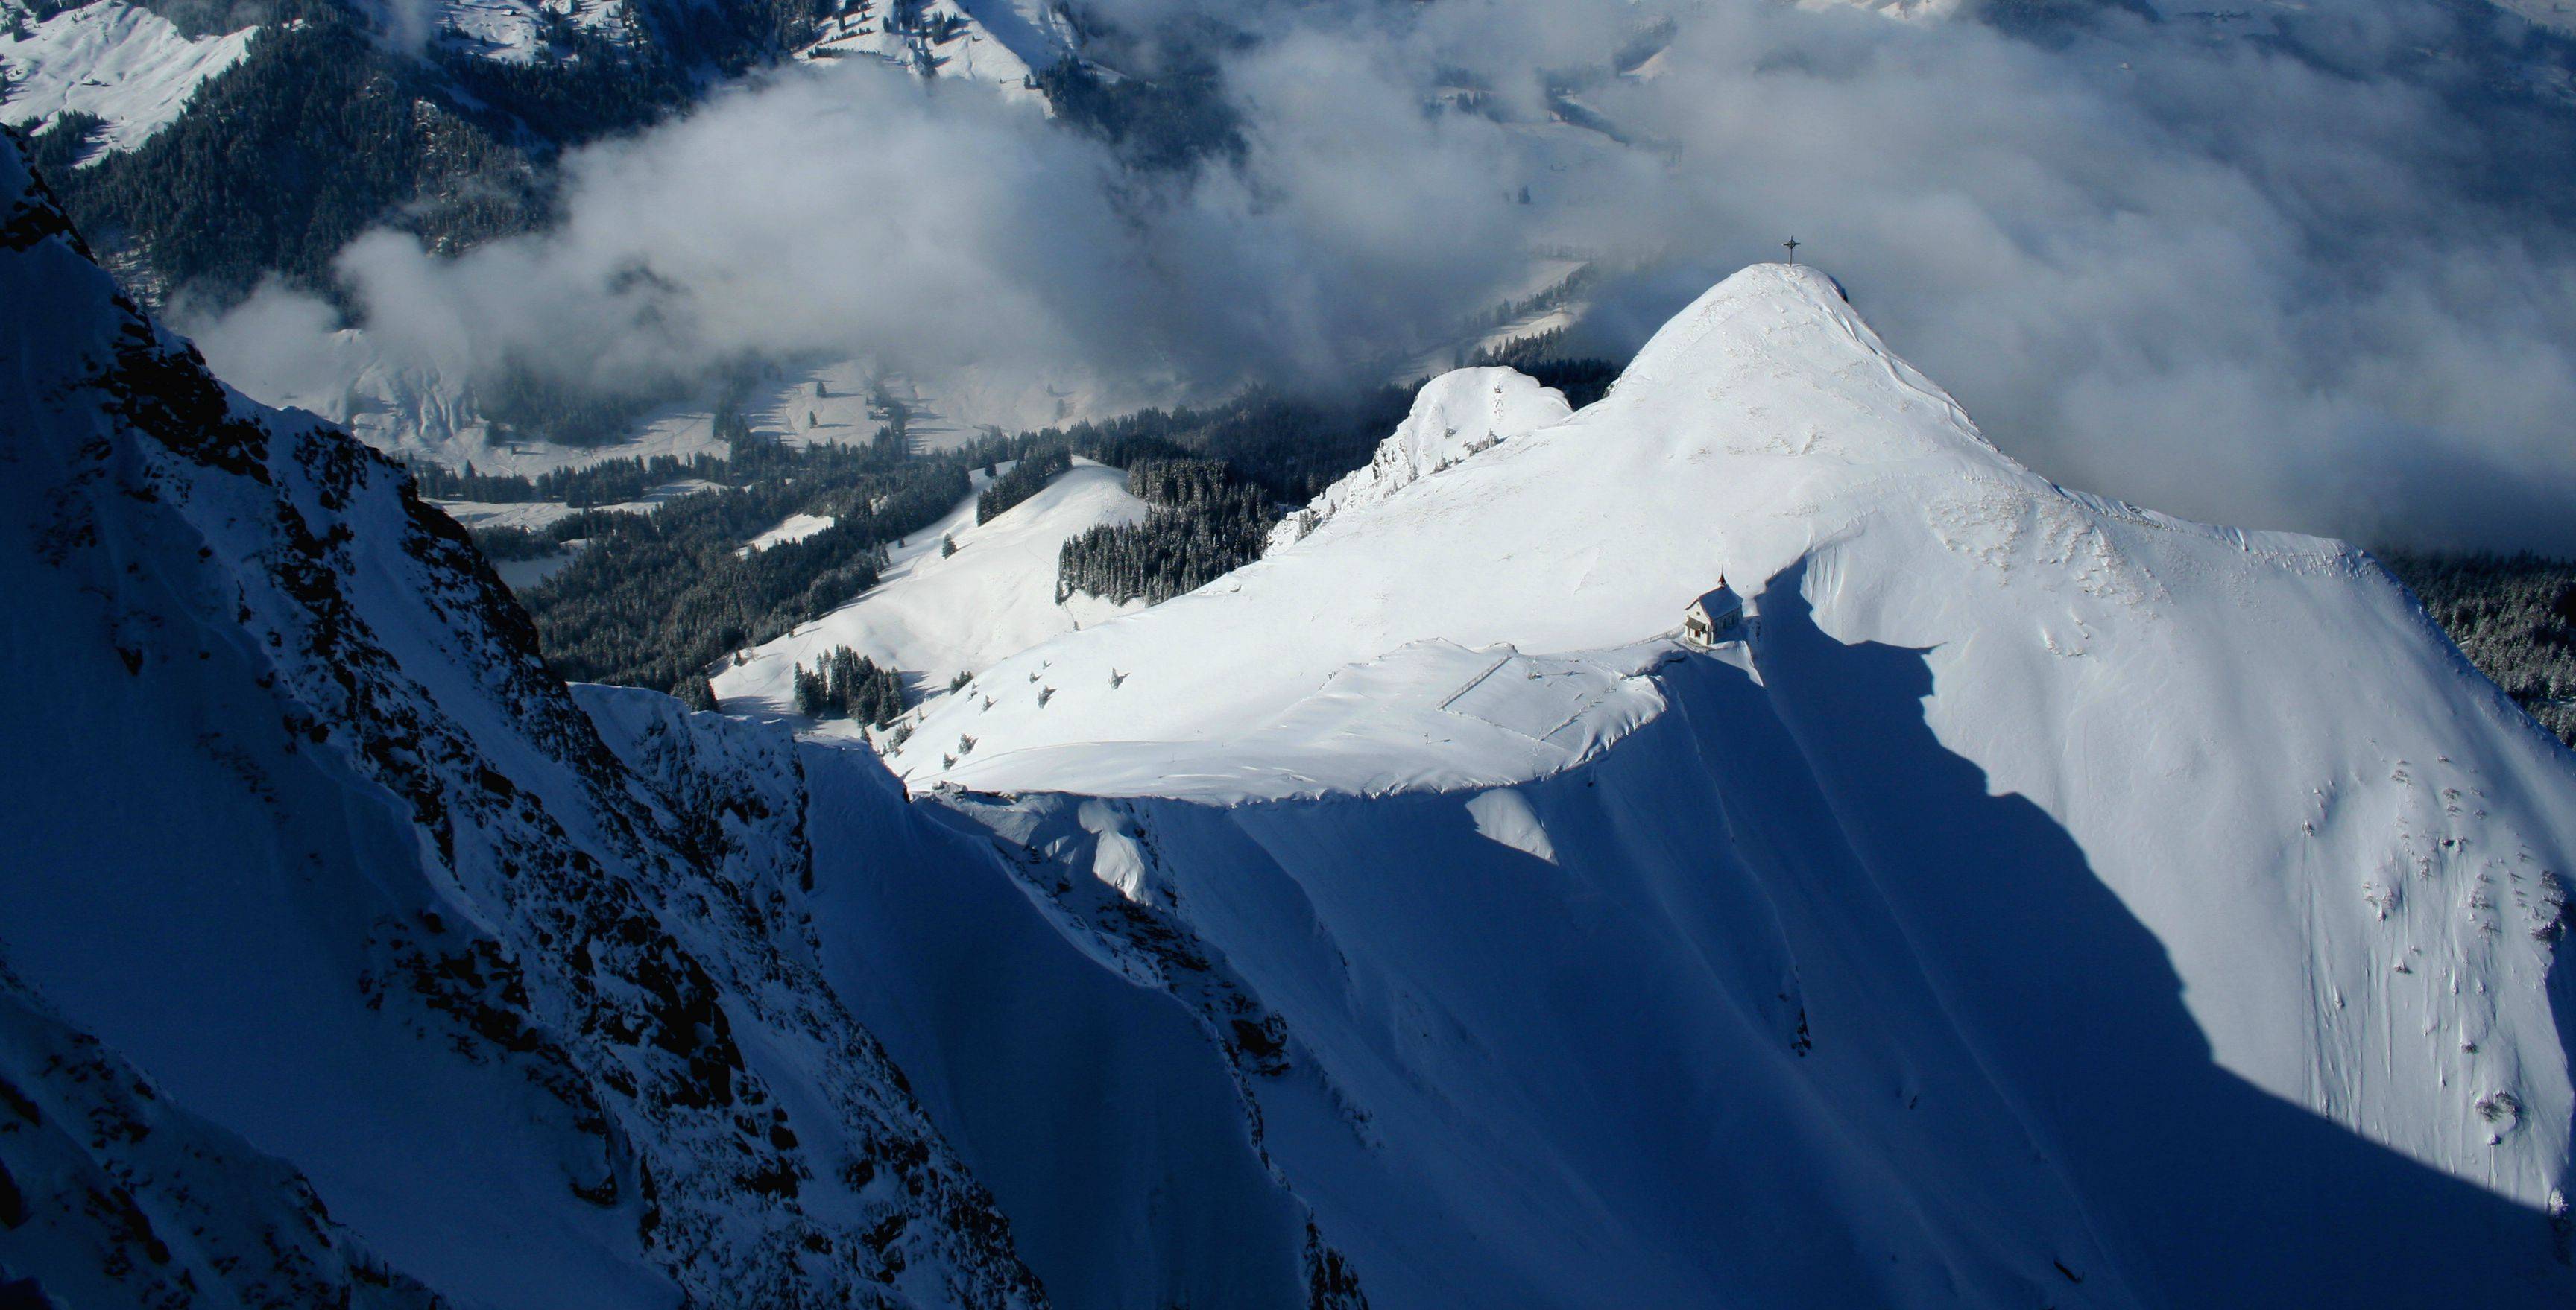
[[1717, 604]]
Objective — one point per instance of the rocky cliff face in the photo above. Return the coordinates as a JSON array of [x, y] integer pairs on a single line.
[[306, 829]]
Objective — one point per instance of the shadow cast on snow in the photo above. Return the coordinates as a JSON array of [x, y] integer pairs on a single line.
[[2203, 1187]]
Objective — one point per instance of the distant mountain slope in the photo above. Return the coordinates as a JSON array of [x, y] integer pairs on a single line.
[[1002, 43], [936, 615], [123, 64], [335, 116]]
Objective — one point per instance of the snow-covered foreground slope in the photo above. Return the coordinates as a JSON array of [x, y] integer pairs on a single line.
[[306, 834], [2056, 902], [936, 615], [1107, 1122], [121, 62]]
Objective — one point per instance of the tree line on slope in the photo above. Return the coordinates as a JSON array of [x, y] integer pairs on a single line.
[[1027, 477], [657, 599], [847, 685], [654, 599], [1202, 522], [1545, 356], [2514, 616]]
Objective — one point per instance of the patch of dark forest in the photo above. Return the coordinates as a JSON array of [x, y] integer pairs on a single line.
[[2514, 616]]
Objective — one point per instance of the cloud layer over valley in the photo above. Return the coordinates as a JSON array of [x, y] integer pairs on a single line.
[[2305, 269]]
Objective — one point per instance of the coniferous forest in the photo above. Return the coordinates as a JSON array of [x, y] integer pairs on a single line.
[[1203, 523], [322, 110], [848, 685], [1026, 478], [2514, 616]]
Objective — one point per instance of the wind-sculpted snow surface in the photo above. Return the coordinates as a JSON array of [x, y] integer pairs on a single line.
[[2053, 903], [305, 832]]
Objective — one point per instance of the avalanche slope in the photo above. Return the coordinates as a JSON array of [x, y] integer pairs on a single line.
[[937, 615], [2055, 903], [306, 834]]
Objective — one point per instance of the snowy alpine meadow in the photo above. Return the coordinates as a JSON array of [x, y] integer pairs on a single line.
[[1607, 809]]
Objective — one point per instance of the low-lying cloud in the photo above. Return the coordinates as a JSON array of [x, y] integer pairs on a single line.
[[2318, 279]]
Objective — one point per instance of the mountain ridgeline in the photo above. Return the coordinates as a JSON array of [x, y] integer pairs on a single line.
[[1411, 920], [657, 600]]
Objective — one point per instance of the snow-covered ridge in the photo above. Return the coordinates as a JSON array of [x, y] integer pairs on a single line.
[[2343, 850], [1587, 533], [1454, 416], [2054, 904], [121, 62]]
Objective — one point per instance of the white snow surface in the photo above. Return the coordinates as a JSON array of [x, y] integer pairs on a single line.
[[1454, 416], [998, 43], [933, 615], [122, 62], [2138, 798], [793, 528], [2052, 904]]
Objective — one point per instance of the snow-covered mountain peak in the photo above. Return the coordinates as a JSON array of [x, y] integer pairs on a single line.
[[1765, 419], [1774, 333], [2233, 890]]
